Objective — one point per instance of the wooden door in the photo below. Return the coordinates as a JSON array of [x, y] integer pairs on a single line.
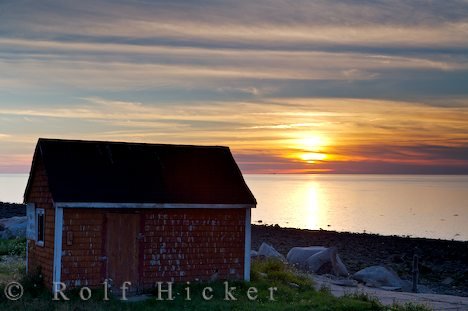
[[122, 246]]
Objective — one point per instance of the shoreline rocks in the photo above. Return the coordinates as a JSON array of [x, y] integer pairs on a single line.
[[439, 259], [8, 210], [315, 258], [379, 276], [268, 251], [13, 227]]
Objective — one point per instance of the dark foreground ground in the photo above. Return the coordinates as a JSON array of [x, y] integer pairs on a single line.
[[443, 264]]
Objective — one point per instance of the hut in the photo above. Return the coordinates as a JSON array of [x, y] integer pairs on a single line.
[[141, 213]]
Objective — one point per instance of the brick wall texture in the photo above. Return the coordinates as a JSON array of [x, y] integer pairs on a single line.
[[176, 245], [82, 263], [42, 256], [190, 244]]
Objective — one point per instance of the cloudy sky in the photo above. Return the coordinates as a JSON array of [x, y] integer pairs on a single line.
[[290, 86]]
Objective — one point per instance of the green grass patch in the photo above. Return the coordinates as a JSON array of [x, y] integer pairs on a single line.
[[292, 291], [13, 247]]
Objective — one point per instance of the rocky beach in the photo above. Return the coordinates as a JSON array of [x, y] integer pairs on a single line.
[[443, 264], [8, 210]]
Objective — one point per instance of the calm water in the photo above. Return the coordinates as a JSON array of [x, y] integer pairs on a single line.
[[416, 205], [12, 187]]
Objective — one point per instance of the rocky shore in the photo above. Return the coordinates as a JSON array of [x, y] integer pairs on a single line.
[[8, 210], [443, 264]]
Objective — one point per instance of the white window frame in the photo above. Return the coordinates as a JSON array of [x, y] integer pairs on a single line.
[[31, 222], [40, 211]]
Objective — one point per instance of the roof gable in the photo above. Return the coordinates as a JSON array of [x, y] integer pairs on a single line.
[[116, 172]]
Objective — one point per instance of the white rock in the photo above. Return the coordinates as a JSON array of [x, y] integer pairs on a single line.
[[298, 255], [329, 255], [312, 258], [378, 276], [269, 251]]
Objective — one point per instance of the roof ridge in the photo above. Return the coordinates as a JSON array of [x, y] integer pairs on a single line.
[[42, 139]]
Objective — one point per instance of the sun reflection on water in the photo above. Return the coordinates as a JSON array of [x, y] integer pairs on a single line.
[[315, 211]]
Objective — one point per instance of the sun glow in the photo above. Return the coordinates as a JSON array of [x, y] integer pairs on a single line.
[[312, 143], [311, 157], [313, 148]]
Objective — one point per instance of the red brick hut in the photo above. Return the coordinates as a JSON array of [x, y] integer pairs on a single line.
[[136, 212]]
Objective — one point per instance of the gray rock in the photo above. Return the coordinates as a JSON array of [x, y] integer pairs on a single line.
[[313, 258], [13, 227], [378, 276], [298, 255], [269, 251], [329, 255]]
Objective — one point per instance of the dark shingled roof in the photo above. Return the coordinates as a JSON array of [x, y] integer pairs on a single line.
[[117, 172]]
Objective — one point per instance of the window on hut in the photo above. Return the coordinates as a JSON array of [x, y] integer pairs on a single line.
[[40, 221]]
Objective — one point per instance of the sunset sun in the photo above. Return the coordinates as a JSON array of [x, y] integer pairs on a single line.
[[312, 148], [312, 143], [313, 156]]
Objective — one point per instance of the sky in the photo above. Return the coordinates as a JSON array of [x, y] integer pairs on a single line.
[[290, 86]]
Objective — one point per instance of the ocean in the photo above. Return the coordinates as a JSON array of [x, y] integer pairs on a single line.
[[430, 206]]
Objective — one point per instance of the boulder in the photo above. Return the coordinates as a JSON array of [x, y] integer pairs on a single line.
[[298, 256], [269, 251], [317, 258], [13, 227], [378, 276], [328, 255]]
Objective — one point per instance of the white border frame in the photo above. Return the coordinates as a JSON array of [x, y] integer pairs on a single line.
[[57, 247], [247, 245], [40, 211]]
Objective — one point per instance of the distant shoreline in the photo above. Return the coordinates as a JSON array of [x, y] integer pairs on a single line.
[[443, 263], [8, 210]]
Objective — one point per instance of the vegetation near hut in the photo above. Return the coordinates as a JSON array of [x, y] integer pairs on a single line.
[[294, 291]]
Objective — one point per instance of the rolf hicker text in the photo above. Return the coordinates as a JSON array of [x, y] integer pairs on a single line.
[[164, 291]]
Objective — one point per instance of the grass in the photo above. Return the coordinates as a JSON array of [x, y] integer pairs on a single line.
[[294, 291], [12, 254], [13, 247]]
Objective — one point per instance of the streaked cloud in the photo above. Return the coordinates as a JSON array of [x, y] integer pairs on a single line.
[[351, 22], [384, 83], [82, 65], [356, 129]]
